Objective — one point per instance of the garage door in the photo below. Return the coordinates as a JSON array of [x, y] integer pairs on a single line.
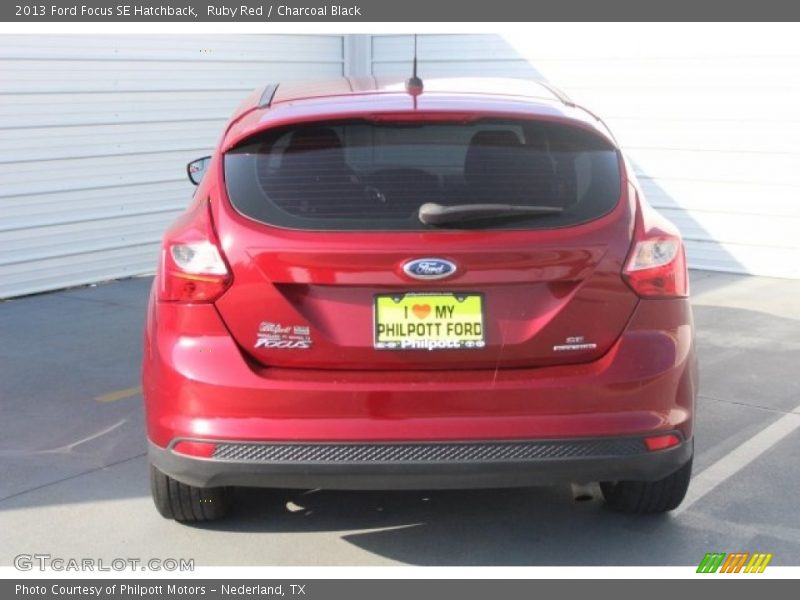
[[707, 113], [96, 133]]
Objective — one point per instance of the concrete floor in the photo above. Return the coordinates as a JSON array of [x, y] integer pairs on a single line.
[[73, 473]]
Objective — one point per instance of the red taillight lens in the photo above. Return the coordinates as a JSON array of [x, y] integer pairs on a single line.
[[661, 442], [201, 449], [656, 268], [192, 266]]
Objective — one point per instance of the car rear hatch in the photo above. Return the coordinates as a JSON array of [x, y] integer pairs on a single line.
[[336, 267]]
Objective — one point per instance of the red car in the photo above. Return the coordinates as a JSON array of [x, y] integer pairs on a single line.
[[391, 286]]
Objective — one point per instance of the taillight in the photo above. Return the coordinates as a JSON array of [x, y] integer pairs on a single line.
[[656, 265], [192, 266], [200, 449], [661, 442]]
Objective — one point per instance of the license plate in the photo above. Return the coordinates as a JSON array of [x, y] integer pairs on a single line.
[[426, 321]]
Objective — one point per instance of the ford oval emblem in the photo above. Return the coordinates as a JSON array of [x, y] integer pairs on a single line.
[[429, 268]]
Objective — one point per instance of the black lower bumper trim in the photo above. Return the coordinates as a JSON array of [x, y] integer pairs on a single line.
[[428, 465], [427, 452]]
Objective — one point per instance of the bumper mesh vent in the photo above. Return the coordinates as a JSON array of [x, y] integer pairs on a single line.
[[427, 452]]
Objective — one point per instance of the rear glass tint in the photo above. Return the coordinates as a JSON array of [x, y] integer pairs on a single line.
[[375, 176]]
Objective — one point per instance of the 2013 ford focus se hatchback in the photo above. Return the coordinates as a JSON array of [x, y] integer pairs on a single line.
[[378, 286]]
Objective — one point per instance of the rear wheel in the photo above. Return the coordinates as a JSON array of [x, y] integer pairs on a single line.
[[187, 503], [647, 497]]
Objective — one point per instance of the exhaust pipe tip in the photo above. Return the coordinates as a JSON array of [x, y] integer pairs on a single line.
[[585, 492]]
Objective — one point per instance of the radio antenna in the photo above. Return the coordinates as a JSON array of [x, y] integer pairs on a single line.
[[414, 85]]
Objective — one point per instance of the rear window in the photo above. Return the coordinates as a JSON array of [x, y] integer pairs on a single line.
[[375, 176]]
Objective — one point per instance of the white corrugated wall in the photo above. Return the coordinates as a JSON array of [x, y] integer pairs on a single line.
[[708, 113], [95, 133]]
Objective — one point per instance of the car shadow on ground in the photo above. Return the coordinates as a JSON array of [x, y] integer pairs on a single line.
[[519, 526]]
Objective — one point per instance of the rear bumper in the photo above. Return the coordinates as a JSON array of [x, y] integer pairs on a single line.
[[198, 385], [433, 465]]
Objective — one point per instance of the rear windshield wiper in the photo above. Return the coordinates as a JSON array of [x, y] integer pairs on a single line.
[[431, 213]]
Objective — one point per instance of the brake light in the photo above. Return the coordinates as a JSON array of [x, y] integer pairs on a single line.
[[656, 265], [661, 442], [192, 266], [201, 449], [657, 268]]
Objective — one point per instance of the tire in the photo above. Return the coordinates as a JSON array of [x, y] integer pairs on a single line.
[[187, 503], [648, 497]]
